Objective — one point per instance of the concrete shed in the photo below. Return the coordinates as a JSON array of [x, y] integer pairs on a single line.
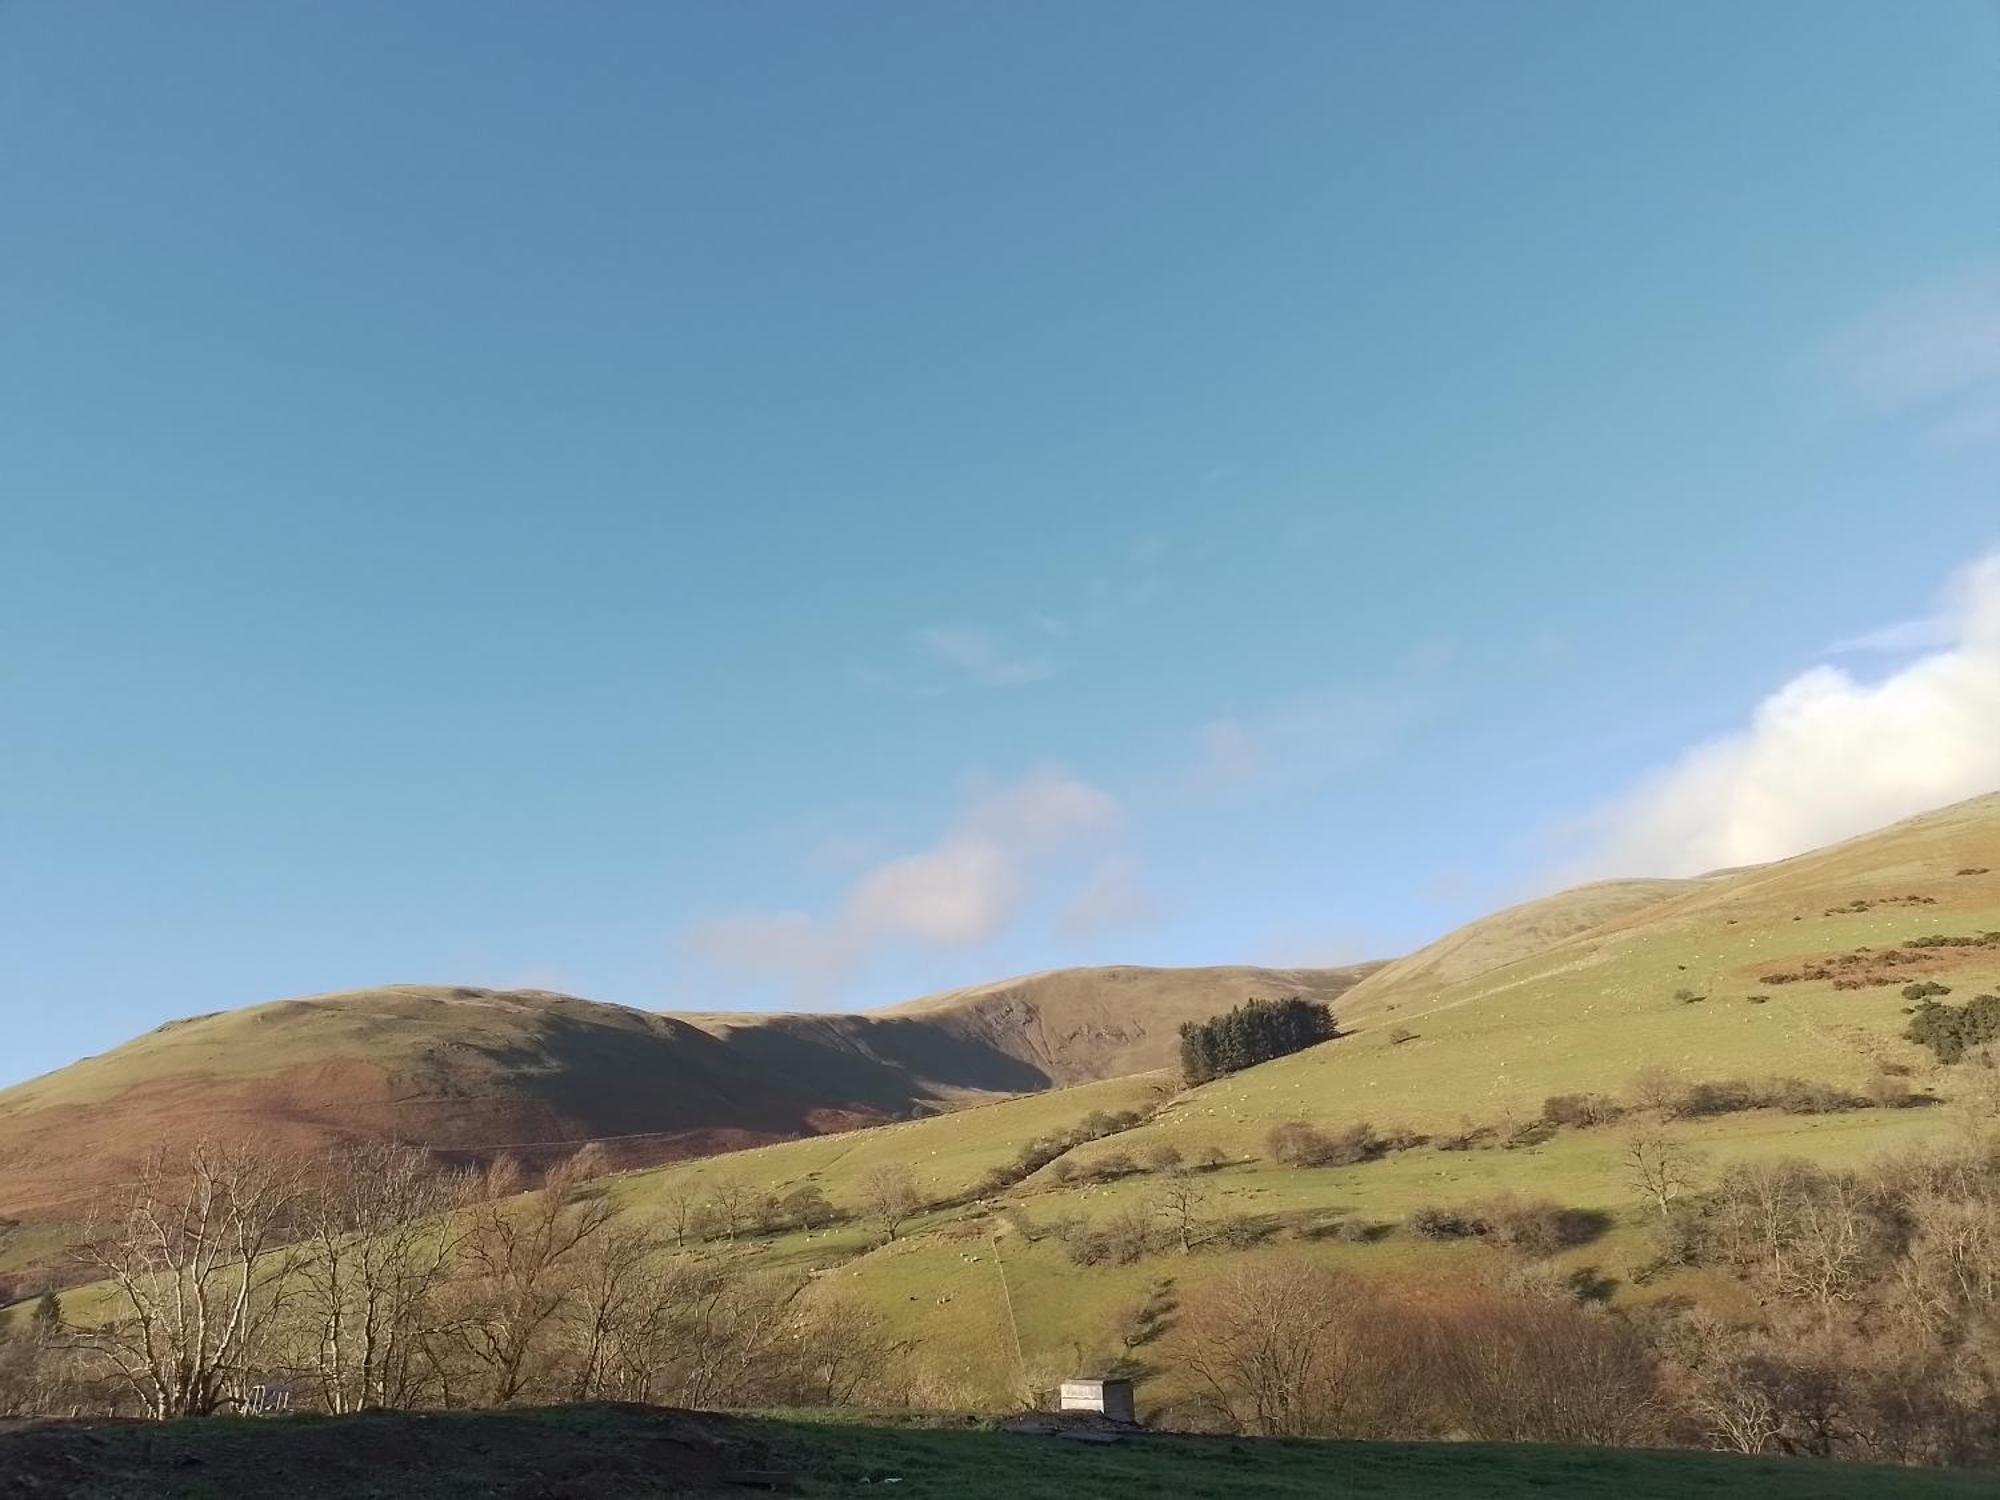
[[1112, 1398]]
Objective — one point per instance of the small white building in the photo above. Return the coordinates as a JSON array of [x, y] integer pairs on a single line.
[[1111, 1398]]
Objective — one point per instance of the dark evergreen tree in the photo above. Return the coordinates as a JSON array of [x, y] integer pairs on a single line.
[[1253, 1032]]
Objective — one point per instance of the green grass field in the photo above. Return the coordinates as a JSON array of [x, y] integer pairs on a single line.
[[637, 1451]]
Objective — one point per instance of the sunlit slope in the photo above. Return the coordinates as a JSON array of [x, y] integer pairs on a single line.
[[1510, 935], [1668, 984], [946, 1154]]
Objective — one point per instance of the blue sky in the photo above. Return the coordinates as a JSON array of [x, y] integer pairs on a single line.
[[706, 506]]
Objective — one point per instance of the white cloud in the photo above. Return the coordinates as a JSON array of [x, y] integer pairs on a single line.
[[1827, 756], [963, 890], [1932, 354], [980, 656], [959, 893], [1043, 811]]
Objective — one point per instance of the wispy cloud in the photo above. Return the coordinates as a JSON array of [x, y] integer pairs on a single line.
[[938, 656], [1924, 633], [1932, 355], [1827, 755], [980, 656], [963, 890], [1302, 741]]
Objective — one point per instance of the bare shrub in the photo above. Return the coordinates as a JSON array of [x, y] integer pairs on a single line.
[[1538, 1370], [1654, 1088], [1434, 1221], [1804, 1234], [1277, 1349], [1244, 1231], [1299, 1144], [1582, 1111], [1109, 1167], [1535, 1227]]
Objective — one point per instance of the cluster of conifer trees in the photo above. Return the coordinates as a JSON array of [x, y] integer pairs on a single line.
[[1253, 1032]]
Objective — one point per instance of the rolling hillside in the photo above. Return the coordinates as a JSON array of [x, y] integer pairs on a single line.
[[1790, 969], [472, 1070]]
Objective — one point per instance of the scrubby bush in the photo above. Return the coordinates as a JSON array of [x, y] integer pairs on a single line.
[[1795, 1096], [1109, 1167], [1244, 1231], [1463, 1136], [1580, 1110], [1529, 1227], [1530, 1133], [1655, 1088], [1299, 1144], [1925, 989], [1534, 1227], [1126, 1236], [1887, 1090], [1799, 1096], [1951, 1031], [1432, 1221], [1163, 1156]]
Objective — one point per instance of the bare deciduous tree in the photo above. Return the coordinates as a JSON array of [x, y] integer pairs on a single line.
[[729, 1200], [1272, 1345], [890, 1198], [522, 1257], [617, 1301], [382, 1247], [680, 1206], [1535, 1370], [1182, 1197], [193, 1253], [1661, 1167]]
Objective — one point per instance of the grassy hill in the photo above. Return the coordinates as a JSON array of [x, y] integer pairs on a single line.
[[1796, 968], [472, 1070], [642, 1451], [1791, 969]]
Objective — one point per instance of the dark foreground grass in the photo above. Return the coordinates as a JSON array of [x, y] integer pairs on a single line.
[[605, 1452], [836, 1455]]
